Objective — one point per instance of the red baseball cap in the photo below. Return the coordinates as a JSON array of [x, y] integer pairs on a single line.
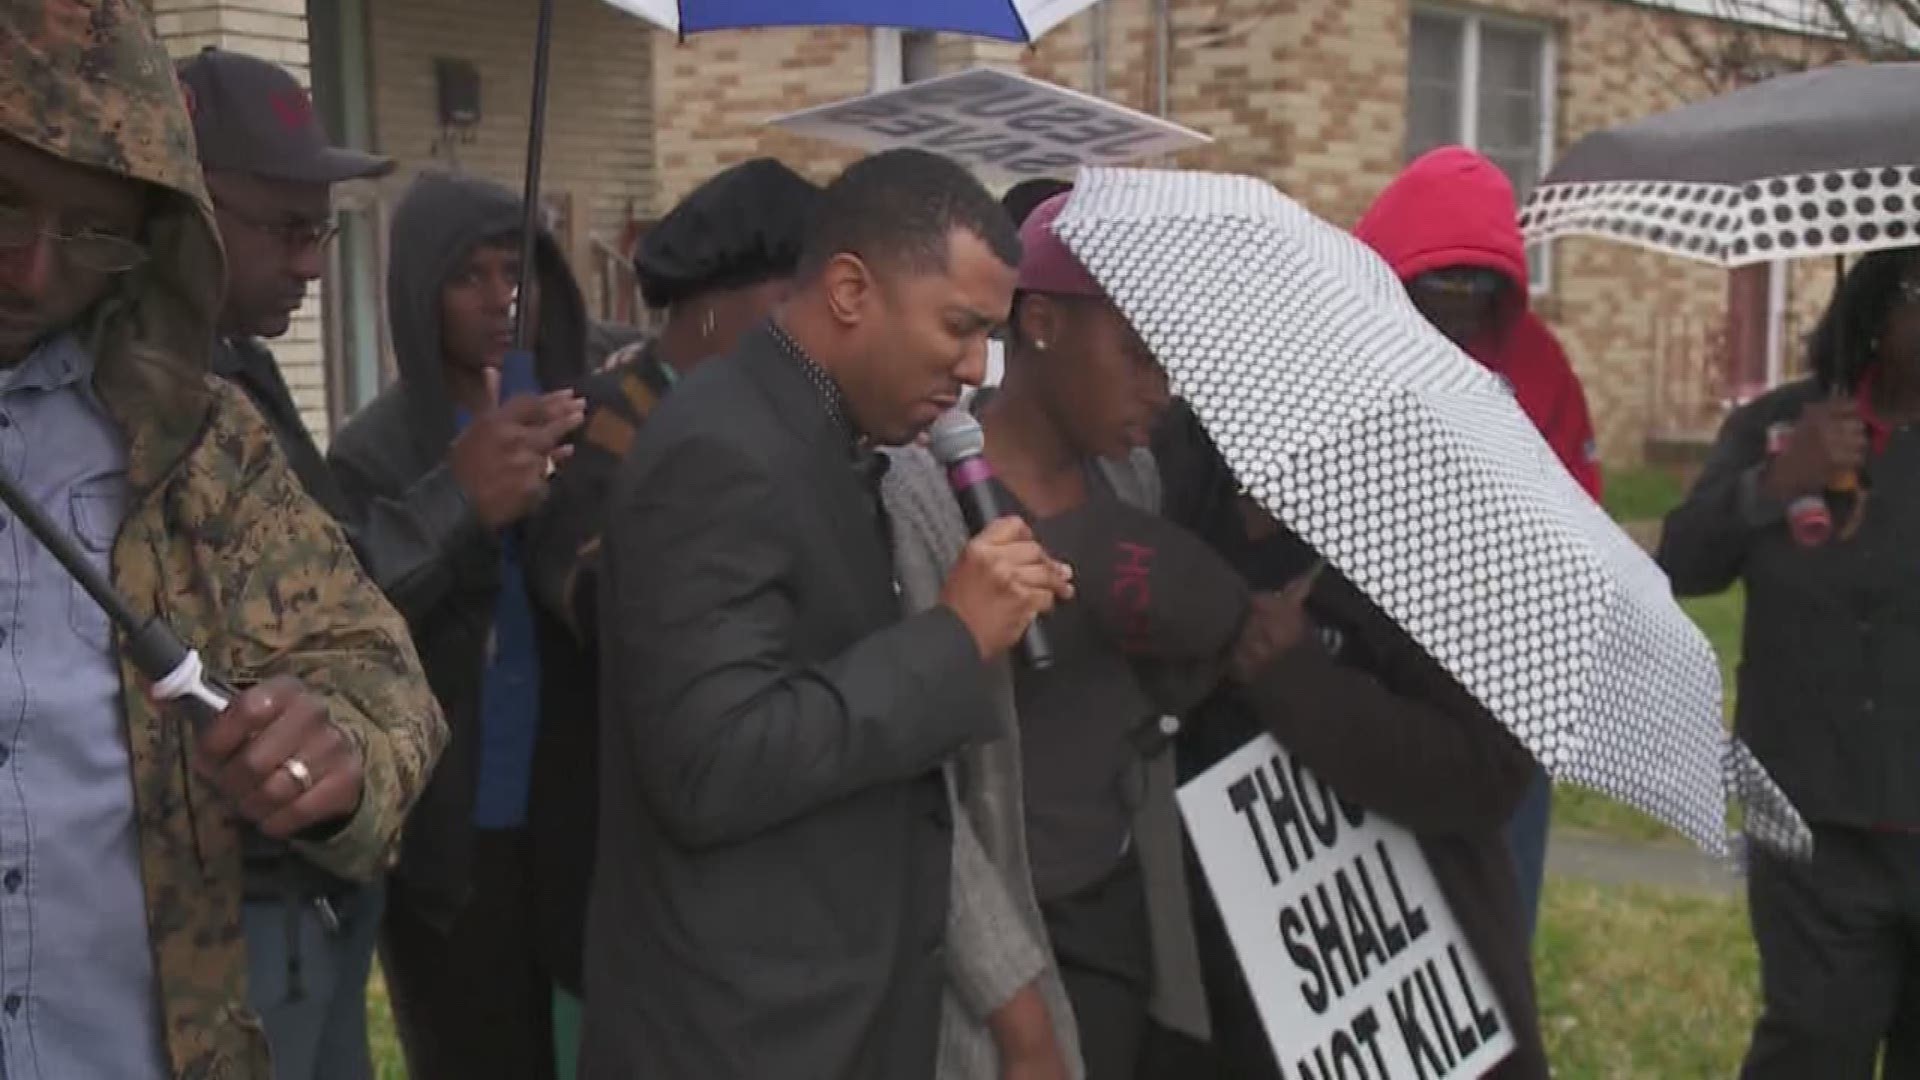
[[1046, 266], [252, 116]]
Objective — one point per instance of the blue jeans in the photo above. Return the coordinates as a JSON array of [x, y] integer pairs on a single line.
[[1527, 838], [322, 1036]]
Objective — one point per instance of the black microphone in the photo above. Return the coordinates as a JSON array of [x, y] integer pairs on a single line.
[[960, 446]]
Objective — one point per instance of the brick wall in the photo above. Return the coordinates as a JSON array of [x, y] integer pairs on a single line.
[[275, 30], [1311, 95], [714, 93], [599, 138]]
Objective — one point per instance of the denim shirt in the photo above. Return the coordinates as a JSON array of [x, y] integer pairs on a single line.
[[77, 993]]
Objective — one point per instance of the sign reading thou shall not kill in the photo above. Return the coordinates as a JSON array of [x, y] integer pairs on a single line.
[[997, 123], [1357, 965]]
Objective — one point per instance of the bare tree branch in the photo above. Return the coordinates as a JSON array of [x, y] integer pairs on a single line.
[[1910, 9], [1842, 18]]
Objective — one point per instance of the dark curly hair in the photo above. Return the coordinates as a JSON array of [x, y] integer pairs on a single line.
[[1842, 348]]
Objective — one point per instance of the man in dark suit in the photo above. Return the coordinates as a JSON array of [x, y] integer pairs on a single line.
[[771, 893]]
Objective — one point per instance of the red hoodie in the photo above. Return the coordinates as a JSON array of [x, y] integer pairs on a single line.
[[1453, 207]]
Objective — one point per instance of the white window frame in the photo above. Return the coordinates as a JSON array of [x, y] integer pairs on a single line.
[[1471, 23]]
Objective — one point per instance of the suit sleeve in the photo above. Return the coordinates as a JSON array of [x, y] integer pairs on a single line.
[[732, 733], [299, 604], [415, 542], [1399, 738], [1705, 541]]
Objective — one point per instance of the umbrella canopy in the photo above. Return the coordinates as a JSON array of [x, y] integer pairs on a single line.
[[1824, 162], [1412, 470], [1008, 20]]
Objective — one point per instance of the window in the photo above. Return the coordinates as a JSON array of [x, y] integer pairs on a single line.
[[1487, 84], [904, 56]]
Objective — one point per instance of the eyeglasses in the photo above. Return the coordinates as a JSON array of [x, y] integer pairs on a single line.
[[1464, 281], [295, 236], [99, 252]]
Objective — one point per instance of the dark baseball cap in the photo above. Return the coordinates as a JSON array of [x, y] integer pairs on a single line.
[[251, 116]]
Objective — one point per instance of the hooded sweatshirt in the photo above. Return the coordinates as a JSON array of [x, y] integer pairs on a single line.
[[218, 536], [425, 545], [1454, 208]]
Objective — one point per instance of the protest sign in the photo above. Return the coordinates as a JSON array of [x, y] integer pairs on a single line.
[[1357, 965], [997, 123]]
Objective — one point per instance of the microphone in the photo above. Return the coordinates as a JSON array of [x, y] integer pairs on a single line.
[[959, 445]]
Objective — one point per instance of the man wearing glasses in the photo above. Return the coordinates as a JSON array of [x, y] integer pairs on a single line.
[[124, 821], [270, 174]]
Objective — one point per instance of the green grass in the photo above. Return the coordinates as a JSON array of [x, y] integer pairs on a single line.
[[1636, 982], [1642, 494], [387, 1062]]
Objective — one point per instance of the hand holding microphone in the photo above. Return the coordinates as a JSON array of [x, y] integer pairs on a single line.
[[1823, 452], [1003, 582]]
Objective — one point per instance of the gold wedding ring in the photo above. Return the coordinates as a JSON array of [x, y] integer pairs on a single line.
[[300, 773]]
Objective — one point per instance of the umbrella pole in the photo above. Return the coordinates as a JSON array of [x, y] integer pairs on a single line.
[[536, 137]]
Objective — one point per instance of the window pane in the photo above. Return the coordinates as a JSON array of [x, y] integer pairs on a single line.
[[1522, 169], [1433, 83], [1509, 103]]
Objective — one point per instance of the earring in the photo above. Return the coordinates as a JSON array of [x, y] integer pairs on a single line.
[[706, 324], [1040, 345]]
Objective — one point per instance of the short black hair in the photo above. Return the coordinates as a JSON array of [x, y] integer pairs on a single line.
[[897, 209], [1024, 197], [1842, 347]]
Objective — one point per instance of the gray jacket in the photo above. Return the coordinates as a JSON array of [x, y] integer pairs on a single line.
[[997, 941]]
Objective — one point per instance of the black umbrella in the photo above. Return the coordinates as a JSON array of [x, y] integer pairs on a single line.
[[1824, 162]]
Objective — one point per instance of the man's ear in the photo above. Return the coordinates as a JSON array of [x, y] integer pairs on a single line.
[[849, 286]]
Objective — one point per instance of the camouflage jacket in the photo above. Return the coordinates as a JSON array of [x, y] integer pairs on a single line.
[[219, 537]]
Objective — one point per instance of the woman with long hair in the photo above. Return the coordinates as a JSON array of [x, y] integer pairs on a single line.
[[1811, 501]]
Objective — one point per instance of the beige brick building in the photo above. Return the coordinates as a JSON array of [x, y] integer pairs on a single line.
[[1325, 98]]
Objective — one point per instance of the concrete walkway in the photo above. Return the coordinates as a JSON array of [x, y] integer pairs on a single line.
[[1589, 857]]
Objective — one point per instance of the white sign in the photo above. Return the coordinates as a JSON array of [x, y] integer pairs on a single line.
[[998, 123], [1357, 966]]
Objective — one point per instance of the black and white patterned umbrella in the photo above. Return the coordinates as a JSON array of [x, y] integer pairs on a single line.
[[1412, 469], [1824, 162]]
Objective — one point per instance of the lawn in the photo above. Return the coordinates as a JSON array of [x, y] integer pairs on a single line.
[[1638, 983]]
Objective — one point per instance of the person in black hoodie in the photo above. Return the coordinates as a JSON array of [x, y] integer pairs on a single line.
[[448, 472]]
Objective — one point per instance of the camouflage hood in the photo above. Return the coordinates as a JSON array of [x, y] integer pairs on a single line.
[[89, 82]]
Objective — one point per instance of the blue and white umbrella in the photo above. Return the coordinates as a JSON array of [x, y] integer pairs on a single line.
[[1007, 20]]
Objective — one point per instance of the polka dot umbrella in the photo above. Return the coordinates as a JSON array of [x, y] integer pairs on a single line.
[[1824, 162], [1414, 472]]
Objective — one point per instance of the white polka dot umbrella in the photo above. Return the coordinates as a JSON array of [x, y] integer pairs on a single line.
[[1411, 468], [1825, 162]]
